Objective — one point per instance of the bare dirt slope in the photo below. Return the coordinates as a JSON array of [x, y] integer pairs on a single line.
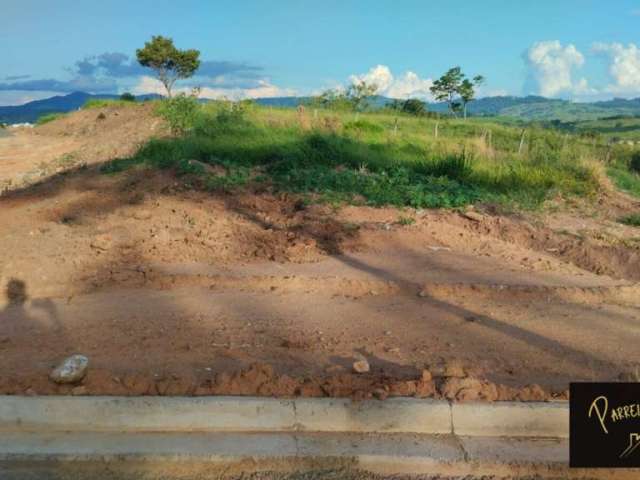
[[31, 155], [171, 291]]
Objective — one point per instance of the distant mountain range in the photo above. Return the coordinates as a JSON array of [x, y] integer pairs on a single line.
[[30, 112], [530, 108]]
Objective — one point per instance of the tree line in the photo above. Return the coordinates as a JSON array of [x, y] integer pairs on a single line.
[[171, 64]]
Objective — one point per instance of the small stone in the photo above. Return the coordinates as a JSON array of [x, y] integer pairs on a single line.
[[426, 375], [476, 217], [380, 393], [72, 370], [81, 390], [425, 389], [30, 392], [453, 369], [532, 393], [465, 389], [361, 366], [102, 242], [142, 215]]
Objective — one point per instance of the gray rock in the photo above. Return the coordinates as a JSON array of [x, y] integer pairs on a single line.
[[72, 370]]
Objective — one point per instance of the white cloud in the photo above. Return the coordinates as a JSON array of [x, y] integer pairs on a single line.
[[551, 68], [408, 85], [262, 89], [624, 68]]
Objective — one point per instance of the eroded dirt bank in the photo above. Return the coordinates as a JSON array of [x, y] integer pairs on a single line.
[[171, 291]]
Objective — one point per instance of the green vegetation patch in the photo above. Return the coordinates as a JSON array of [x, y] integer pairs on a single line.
[[625, 179], [49, 117], [374, 158], [102, 103], [632, 219]]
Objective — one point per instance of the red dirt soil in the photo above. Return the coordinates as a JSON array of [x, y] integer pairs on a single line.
[[171, 291]]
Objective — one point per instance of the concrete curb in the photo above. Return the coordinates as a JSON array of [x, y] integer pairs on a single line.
[[252, 414]]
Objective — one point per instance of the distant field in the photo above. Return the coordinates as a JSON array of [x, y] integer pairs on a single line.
[[617, 128]]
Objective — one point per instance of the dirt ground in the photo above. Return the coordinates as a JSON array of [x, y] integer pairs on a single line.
[[171, 291]]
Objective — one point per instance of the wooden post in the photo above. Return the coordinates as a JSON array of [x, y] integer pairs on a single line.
[[395, 126], [521, 141], [490, 139], [435, 132]]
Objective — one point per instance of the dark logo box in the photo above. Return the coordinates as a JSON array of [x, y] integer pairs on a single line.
[[604, 425]]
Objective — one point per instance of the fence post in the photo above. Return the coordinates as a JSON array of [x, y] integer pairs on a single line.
[[521, 141]]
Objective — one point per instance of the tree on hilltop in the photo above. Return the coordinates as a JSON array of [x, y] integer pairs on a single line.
[[454, 88], [169, 63]]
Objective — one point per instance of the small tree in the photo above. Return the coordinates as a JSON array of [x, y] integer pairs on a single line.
[[467, 91], [359, 94], [169, 63], [445, 89], [127, 97], [454, 88]]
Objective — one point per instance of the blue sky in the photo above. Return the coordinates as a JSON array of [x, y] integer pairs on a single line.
[[578, 49]]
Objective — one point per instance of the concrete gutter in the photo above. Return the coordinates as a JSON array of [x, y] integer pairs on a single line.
[[108, 438], [251, 414]]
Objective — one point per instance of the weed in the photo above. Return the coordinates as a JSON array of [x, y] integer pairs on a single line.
[[405, 220], [625, 180], [632, 219], [179, 112]]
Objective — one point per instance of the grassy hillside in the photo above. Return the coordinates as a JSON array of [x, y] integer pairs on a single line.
[[617, 129], [376, 158]]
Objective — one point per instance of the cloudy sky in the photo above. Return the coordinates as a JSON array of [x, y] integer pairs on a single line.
[[575, 49]]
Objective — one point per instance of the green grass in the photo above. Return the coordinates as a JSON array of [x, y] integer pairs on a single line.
[[344, 157], [101, 103], [625, 179], [49, 117], [633, 220]]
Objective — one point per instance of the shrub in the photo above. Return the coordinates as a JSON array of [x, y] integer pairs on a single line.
[[127, 97], [632, 219], [634, 164], [413, 106], [180, 113]]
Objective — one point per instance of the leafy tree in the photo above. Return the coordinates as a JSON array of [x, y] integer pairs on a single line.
[[333, 99], [355, 97], [359, 94], [127, 97], [169, 63], [413, 106], [454, 88], [467, 91]]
